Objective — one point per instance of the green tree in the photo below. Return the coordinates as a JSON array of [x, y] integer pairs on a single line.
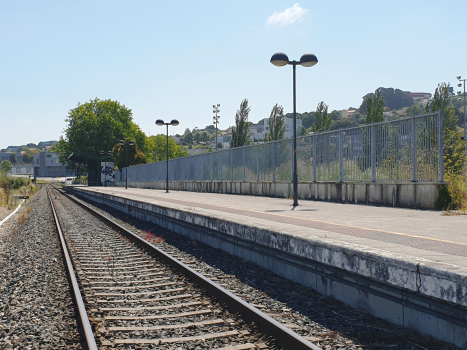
[[5, 166], [277, 124], [197, 137], [374, 108], [204, 137], [135, 156], [453, 146], [158, 148], [13, 158], [323, 119], [241, 131], [302, 131], [188, 138], [97, 125]]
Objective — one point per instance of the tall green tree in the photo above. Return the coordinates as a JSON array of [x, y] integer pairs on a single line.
[[277, 124], [323, 119], [301, 131], [122, 154], [97, 125], [241, 131], [158, 148], [13, 158], [374, 108], [5, 166], [453, 146]]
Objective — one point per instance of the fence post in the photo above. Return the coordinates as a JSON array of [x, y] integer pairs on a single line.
[[373, 152], [314, 157], [440, 147], [291, 160], [212, 166], [341, 158], [414, 152], [231, 164], [244, 172], [220, 163], [274, 161], [257, 164]]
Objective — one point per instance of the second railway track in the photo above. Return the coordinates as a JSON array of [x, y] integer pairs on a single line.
[[139, 297]]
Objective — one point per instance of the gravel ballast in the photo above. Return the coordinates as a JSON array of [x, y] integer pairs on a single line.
[[36, 307]]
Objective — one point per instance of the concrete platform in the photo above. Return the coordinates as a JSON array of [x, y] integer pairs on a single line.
[[406, 266]]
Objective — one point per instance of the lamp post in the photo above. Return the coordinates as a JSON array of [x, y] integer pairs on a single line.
[[465, 123], [174, 122], [109, 153], [215, 110], [280, 59], [126, 144]]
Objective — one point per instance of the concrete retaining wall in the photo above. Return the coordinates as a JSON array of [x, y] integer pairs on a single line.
[[417, 195], [418, 293]]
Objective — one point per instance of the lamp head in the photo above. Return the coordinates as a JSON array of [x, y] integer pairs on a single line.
[[101, 152], [121, 142], [458, 77], [459, 92], [109, 153], [459, 85], [174, 122], [308, 60], [279, 59], [160, 122], [131, 143]]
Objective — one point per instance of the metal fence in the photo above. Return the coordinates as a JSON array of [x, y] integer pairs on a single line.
[[402, 150]]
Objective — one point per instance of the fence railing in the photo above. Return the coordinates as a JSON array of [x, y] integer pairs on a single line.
[[408, 149]]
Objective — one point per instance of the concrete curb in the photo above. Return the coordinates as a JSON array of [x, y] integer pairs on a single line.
[[9, 216]]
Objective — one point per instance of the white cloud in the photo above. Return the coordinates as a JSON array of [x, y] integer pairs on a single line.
[[288, 16]]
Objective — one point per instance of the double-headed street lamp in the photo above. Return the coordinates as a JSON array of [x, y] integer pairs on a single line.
[[280, 59], [215, 110], [109, 153], [174, 122], [465, 123], [126, 144]]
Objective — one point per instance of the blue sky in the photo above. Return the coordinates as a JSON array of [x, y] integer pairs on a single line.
[[175, 59]]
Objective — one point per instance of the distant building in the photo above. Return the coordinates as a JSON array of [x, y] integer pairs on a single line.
[[4, 156], [12, 148], [22, 170], [288, 127], [347, 113], [46, 164], [418, 95]]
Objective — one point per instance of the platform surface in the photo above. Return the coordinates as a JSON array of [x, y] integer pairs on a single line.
[[423, 234]]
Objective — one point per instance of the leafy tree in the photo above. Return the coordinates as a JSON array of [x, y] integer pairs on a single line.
[[302, 131], [5, 166], [343, 124], [323, 119], [135, 156], [277, 124], [158, 148], [219, 145], [97, 125], [23, 148], [197, 137], [204, 136], [13, 158], [335, 115], [374, 108], [453, 146], [241, 130], [414, 110], [188, 138]]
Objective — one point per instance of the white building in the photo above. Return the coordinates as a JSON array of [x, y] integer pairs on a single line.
[[289, 127]]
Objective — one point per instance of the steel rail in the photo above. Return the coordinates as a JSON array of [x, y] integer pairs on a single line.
[[88, 333], [284, 337]]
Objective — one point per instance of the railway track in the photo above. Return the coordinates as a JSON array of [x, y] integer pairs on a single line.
[[130, 294]]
